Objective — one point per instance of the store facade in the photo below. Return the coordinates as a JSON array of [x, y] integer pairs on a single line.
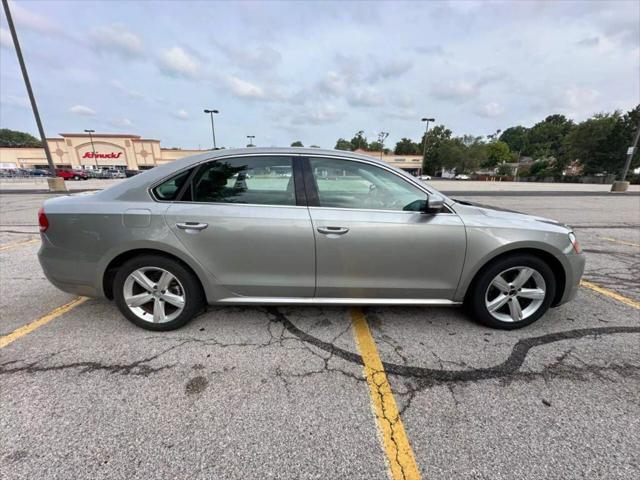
[[98, 151]]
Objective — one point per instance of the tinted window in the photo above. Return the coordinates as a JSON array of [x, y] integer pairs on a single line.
[[170, 189], [348, 184], [256, 180]]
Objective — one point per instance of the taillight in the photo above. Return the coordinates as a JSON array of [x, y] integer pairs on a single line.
[[43, 220]]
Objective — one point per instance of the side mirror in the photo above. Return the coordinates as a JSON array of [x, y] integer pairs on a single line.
[[435, 203]]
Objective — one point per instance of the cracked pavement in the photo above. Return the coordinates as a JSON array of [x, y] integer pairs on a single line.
[[265, 392]]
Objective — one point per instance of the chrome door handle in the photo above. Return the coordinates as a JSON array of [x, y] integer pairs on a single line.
[[192, 226], [333, 230]]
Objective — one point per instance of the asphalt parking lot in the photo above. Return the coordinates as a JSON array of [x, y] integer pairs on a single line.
[[255, 393]]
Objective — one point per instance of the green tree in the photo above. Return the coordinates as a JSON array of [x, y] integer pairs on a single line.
[[375, 146], [14, 138], [432, 161], [540, 168], [546, 137], [359, 141], [407, 147], [497, 152], [297, 143], [343, 144], [314, 146], [517, 138], [600, 142]]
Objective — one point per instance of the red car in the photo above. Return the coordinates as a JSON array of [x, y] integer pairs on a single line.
[[72, 174]]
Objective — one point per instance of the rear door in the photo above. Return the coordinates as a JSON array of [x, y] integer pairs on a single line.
[[246, 222], [369, 242]]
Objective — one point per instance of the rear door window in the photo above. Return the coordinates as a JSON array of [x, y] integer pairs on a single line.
[[247, 180]]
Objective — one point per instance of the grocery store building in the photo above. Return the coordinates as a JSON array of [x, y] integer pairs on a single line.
[[77, 150]]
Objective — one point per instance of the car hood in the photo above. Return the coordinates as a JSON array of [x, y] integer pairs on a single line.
[[509, 216]]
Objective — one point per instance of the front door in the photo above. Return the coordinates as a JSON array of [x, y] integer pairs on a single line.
[[369, 245], [242, 221]]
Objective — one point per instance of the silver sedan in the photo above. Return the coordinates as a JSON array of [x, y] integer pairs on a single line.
[[301, 226]]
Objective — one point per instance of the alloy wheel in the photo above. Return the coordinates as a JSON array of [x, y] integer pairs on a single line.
[[154, 294], [515, 294]]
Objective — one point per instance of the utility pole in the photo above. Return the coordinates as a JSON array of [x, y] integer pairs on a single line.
[[213, 130], [93, 148], [424, 143], [251, 137], [622, 185], [27, 83]]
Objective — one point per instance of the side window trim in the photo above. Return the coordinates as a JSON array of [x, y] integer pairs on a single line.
[[188, 184], [310, 187], [298, 181]]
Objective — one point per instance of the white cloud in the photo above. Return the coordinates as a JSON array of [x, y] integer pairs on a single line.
[[459, 90], [243, 89], [24, 18], [120, 87], [82, 110], [181, 114], [15, 101], [392, 69], [116, 39], [578, 97], [252, 57], [5, 38], [179, 63], [366, 97], [121, 122], [490, 110], [318, 115]]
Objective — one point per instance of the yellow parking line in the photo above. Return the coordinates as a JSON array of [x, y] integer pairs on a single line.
[[615, 240], [30, 327], [21, 243], [610, 293], [400, 457]]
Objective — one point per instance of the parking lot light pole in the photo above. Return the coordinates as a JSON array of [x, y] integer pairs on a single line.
[[622, 185], [251, 137], [213, 130], [27, 83], [424, 142], [93, 148]]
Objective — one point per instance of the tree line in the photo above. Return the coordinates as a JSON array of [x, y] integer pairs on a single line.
[[598, 145]]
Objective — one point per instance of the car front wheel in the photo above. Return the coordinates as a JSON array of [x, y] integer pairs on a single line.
[[512, 292], [157, 293]]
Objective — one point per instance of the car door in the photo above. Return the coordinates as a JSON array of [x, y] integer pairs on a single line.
[[368, 242], [244, 221]]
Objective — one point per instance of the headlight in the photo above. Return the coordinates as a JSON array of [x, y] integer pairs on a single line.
[[575, 243]]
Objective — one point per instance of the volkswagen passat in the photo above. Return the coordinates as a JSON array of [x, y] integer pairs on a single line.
[[300, 226]]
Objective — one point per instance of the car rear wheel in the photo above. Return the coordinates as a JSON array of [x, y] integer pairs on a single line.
[[512, 292], [157, 293]]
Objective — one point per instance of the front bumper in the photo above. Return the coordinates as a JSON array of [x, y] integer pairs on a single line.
[[573, 272]]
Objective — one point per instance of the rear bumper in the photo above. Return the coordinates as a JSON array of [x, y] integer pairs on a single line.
[[66, 271], [574, 271]]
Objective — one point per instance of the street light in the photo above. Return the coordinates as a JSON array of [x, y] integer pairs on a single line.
[[213, 130], [251, 137], [424, 142], [95, 159]]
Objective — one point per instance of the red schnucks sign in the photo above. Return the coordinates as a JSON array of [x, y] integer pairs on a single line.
[[102, 155]]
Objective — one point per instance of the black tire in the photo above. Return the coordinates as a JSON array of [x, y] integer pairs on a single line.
[[194, 300], [475, 304]]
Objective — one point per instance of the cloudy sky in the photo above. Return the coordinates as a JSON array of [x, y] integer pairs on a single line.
[[314, 71]]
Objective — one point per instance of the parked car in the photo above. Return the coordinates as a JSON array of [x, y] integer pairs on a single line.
[[131, 173], [39, 172], [72, 174], [115, 173], [200, 230], [462, 176], [425, 177]]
